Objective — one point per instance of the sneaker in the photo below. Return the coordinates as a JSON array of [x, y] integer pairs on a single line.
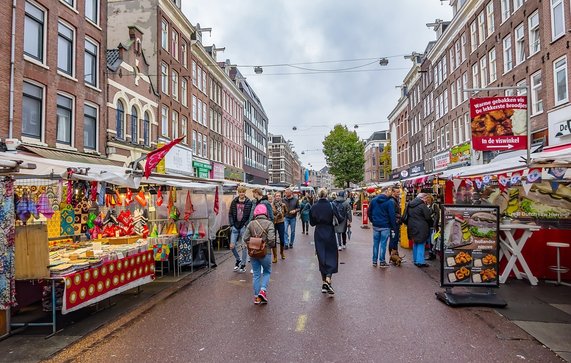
[[257, 300], [252, 271], [344, 247], [330, 290], [242, 269], [324, 288], [291, 245], [431, 256], [237, 265], [374, 264], [263, 297], [383, 264], [339, 248], [286, 247]]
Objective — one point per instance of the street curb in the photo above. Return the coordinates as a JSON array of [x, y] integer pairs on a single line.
[[75, 350]]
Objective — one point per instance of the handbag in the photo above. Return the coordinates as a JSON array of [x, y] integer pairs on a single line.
[[257, 245], [335, 220]]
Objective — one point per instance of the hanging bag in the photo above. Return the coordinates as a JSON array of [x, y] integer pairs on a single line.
[[335, 220], [257, 245]]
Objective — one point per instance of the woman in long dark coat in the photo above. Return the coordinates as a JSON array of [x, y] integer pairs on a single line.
[[321, 216]]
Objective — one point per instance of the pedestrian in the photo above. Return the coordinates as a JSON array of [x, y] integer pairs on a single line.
[[321, 217], [238, 217], [332, 196], [418, 222], [435, 216], [395, 237], [292, 204], [261, 226], [279, 210], [381, 213], [259, 197], [304, 214], [344, 209]]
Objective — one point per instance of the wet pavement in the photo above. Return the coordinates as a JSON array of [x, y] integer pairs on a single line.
[[377, 315]]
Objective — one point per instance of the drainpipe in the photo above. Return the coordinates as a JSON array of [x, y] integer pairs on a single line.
[[12, 65]]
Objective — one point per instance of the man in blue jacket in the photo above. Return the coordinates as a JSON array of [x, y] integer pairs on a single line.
[[382, 215]]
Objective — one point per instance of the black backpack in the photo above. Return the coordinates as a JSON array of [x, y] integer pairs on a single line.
[[340, 206]]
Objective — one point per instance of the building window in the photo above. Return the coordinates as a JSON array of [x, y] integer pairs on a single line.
[[174, 85], [184, 126], [493, 67], [91, 51], [32, 110], [165, 78], [165, 121], [508, 59], [194, 73], [165, 35], [119, 118], [536, 100], [64, 119], [184, 92], [92, 10], [521, 91], [199, 112], [463, 39], [481, 27], [65, 49], [146, 129], [519, 44], [199, 79], [560, 77], [490, 18], [184, 55], [71, 3], [517, 4], [473, 36], [505, 8], [557, 19], [174, 124], [534, 39], [134, 126], [174, 45], [194, 108], [34, 32], [204, 115], [475, 76], [193, 145], [205, 147], [89, 127], [483, 71]]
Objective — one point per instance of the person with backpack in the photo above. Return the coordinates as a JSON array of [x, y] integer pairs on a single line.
[[344, 210], [304, 214], [322, 216], [260, 237], [381, 213]]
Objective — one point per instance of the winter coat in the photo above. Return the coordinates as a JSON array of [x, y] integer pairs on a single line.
[[398, 214], [304, 211], [291, 204], [419, 221], [381, 212], [279, 211], [348, 215], [321, 216], [268, 234], [233, 213], [264, 200]]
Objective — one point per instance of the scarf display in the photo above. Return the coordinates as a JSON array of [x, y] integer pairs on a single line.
[[7, 238]]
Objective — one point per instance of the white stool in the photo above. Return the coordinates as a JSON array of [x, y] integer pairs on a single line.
[[558, 268]]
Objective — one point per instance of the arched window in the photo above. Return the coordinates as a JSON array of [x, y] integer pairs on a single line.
[[147, 129], [120, 118], [134, 126]]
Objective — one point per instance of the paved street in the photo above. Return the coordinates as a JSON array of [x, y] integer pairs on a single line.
[[380, 315]]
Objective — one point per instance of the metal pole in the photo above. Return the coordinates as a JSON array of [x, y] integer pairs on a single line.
[[528, 119]]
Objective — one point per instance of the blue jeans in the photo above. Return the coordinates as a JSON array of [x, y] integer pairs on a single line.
[[258, 264], [289, 223], [380, 236], [281, 231], [418, 253], [235, 237]]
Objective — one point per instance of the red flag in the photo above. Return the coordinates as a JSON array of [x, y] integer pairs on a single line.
[[216, 202], [155, 156]]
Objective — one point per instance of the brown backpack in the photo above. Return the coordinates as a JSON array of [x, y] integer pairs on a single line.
[[256, 244]]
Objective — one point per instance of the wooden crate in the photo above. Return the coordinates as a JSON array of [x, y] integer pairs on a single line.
[[32, 252], [123, 240]]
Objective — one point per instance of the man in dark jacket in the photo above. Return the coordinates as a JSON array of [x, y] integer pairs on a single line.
[[418, 224], [238, 217], [395, 237], [381, 213], [292, 204], [260, 198]]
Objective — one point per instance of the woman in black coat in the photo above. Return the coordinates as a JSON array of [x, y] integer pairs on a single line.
[[418, 222], [321, 216]]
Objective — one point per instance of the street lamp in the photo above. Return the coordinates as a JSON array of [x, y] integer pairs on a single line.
[[258, 70], [383, 62]]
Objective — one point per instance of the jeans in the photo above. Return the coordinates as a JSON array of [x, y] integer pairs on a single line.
[[289, 237], [264, 275], [305, 226], [341, 239], [394, 242], [418, 253], [281, 231], [380, 236], [235, 237]]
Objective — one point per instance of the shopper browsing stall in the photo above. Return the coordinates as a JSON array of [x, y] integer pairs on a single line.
[[238, 217]]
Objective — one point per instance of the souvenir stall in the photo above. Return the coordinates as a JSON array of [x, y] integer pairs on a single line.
[[534, 204]]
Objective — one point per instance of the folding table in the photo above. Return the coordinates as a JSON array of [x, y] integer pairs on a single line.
[[512, 248]]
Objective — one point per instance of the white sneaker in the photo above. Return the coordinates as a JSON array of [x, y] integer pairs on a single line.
[[251, 271], [339, 248], [344, 247]]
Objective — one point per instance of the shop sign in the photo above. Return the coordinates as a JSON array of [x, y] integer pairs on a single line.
[[499, 123], [559, 126], [395, 176], [470, 242], [179, 161], [217, 171], [202, 169], [460, 154], [233, 174], [441, 161], [416, 170], [404, 174]]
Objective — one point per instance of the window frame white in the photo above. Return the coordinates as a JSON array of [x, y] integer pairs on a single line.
[[492, 66], [535, 89], [71, 122], [42, 111], [96, 136], [534, 35], [519, 36], [561, 16], [96, 56], [490, 20], [556, 69], [508, 60], [97, 10], [165, 120], [164, 34], [72, 48], [165, 78]]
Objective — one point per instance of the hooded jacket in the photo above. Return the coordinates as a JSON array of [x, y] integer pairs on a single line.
[[233, 213], [264, 200], [419, 221], [381, 212]]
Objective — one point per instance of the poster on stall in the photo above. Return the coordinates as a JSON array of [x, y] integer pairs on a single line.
[[499, 123], [470, 245]]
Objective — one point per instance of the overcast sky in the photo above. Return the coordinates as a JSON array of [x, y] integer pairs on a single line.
[[291, 32]]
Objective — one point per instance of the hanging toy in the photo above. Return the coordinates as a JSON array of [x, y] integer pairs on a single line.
[[91, 220], [155, 231], [140, 198], [201, 230], [128, 197], [188, 208], [44, 206], [183, 229], [174, 214], [159, 197]]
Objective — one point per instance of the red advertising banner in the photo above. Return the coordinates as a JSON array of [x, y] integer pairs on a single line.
[[499, 123], [364, 214]]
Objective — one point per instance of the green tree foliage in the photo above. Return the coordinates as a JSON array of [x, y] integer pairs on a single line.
[[386, 160], [345, 156]]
